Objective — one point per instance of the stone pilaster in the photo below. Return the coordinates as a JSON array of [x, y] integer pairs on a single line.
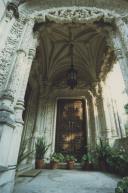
[[121, 58]]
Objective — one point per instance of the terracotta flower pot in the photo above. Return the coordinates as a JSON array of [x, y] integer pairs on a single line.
[[39, 164], [87, 166], [54, 165], [70, 165]]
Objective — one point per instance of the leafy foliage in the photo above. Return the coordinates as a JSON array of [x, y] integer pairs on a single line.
[[41, 148], [88, 158], [122, 186], [103, 150], [57, 157]]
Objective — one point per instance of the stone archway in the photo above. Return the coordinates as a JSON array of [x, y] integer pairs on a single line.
[[16, 60]]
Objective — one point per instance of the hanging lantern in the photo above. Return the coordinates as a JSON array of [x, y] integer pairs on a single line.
[[72, 77], [72, 73]]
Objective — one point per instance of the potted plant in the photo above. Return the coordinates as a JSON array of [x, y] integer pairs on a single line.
[[70, 159], [87, 161], [55, 159], [41, 148]]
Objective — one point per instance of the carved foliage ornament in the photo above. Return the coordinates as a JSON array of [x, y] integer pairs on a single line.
[[74, 15]]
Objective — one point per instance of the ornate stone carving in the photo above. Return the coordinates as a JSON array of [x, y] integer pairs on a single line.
[[75, 15], [8, 52], [116, 5], [14, 7]]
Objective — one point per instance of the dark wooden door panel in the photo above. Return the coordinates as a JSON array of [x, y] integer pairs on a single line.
[[70, 131]]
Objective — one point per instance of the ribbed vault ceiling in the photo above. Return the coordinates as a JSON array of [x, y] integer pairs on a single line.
[[90, 51]]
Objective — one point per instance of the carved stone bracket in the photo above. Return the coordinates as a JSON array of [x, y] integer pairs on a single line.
[[14, 7]]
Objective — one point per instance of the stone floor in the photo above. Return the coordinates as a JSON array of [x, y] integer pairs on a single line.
[[67, 181]]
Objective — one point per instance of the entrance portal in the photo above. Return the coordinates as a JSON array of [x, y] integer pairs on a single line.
[[70, 131]]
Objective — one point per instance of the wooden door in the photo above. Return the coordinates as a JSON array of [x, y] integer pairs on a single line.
[[71, 131]]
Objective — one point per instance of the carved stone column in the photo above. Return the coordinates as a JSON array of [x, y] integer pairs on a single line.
[[101, 112]]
